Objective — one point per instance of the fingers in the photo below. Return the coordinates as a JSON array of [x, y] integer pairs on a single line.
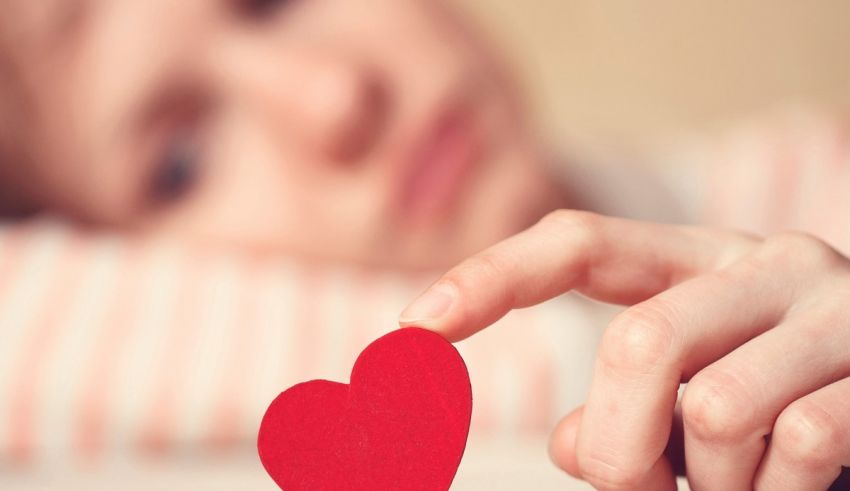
[[810, 442], [562, 445], [731, 406], [647, 352], [562, 449], [609, 259]]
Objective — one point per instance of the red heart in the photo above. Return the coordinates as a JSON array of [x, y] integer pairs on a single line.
[[402, 424]]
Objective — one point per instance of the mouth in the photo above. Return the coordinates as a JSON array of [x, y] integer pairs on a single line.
[[439, 164]]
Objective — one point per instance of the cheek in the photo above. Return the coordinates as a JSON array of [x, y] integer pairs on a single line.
[[258, 192], [243, 193], [456, 49]]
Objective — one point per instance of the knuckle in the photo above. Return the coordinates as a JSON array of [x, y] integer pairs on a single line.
[[572, 218], [488, 264], [729, 244], [713, 410], [639, 339], [582, 227], [820, 317], [800, 248], [744, 273], [480, 268], [807, 435]]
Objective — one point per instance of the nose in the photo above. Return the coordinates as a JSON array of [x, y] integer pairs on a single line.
[[342, 105], [332, 102]]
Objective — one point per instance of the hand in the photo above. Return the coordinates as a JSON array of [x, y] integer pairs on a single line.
[[760, 330]]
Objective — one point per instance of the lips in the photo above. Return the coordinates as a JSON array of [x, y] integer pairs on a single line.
[[440, 163]]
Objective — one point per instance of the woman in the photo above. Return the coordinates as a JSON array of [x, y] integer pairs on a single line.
[[384, 133]]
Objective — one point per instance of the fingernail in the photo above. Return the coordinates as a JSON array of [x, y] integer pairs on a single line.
[[431, 305]]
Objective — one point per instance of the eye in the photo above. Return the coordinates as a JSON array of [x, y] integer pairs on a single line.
[[260, 9], [177, 170]]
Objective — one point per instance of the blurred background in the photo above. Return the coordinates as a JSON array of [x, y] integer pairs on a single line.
[[646, 68], [626, 71]]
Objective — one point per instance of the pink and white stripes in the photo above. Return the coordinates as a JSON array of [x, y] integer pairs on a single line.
[[110, 347]]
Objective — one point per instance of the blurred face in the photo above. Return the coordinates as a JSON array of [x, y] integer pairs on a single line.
[[377, 131]]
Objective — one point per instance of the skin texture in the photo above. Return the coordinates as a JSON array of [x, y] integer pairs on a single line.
[[299, 126], [310, 128], [757, 327]]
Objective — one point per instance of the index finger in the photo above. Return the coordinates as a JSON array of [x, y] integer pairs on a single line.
[[609, 259]]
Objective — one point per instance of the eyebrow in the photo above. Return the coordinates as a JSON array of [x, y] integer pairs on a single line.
[[62, 22]]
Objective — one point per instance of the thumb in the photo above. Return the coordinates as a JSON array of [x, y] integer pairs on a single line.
[[562, 444]]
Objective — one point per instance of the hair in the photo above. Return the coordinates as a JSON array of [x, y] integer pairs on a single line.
[[14, 201]]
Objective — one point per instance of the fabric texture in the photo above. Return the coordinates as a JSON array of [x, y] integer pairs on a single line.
[[114, 350]]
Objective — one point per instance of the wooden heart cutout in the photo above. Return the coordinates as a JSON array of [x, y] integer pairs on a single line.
[[401, 424]]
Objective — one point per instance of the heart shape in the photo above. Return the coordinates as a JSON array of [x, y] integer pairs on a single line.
[[401, 424]]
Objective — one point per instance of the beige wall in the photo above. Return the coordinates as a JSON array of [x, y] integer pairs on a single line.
[[648, 66]]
